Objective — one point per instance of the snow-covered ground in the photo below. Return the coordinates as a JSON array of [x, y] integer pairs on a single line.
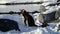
[[19, 18], [29, 30], [5, 1], [16, 8]]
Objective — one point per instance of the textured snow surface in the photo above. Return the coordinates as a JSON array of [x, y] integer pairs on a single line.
[[29, 30], [13, 1], [51, 29]]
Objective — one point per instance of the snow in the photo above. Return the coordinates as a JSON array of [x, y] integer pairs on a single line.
[[51, 9], [17, 7], [14, 1], [29, 30], [51, 29]]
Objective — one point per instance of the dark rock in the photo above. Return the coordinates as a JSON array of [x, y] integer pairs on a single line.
[[7, 25]]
